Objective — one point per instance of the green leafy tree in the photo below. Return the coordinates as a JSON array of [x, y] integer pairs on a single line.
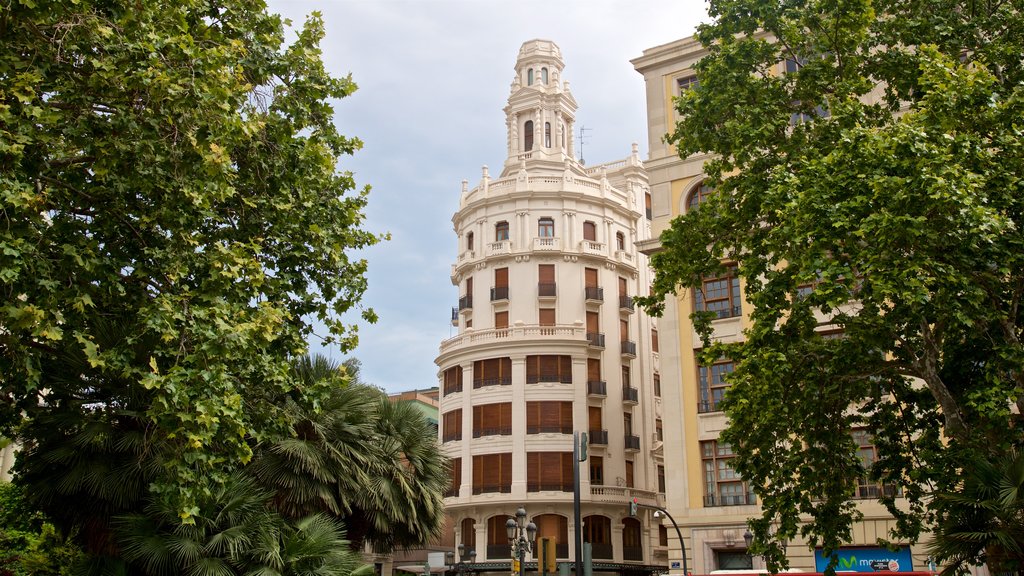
[[171, 168], [868, 165], [29, 544]]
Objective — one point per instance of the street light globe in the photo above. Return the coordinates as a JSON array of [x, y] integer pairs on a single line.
[[510, 527]]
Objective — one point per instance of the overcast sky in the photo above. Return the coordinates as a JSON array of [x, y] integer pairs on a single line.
[[433, 78]]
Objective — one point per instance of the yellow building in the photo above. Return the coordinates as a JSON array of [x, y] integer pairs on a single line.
[[708, 500]]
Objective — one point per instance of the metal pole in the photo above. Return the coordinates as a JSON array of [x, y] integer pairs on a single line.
[[576, 502], [682, 546], [522, 555]]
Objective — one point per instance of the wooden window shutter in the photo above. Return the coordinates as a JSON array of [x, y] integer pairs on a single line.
[[547, 316], [622, 287], [623, 330], [590, 231], [629, 473], [592, 322], [501, 277], [594, 417], [590, 277], [594, 369], [501, 319], [565, 369], [546, 273], [505, 464]]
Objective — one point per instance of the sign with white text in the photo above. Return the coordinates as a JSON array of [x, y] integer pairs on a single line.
[[867, 559]]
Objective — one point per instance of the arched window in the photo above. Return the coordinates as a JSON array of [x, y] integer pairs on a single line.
[[556, 529], [590, 231], [597, 530], [468, 537], [546, 228], [547, 134], [544, 76], [698, 195], [632, 549], [529, 77], [528, 136], [620, 241], [469, 241], [501, 231]]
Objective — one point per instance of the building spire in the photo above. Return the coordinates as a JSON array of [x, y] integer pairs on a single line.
[[541, 111]]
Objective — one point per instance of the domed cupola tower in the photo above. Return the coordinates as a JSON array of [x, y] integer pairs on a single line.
[[540, 111]]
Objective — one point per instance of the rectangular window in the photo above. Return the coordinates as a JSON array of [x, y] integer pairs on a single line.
[[453, 380], [713, 384], [501, 231], [549, 471], [659, 431], [626, 381], [549, 368], [456, 477], [596, 470], [720, 294], [549, 417], [722, 485], [546, 280], [687, 83], [500, 289], [590, 231], [492, 473], [662, 535], [629, 474], [492, 419], [654, 340], [868, 455], [451, 425], [500, 320], [546, 316], [661, 479], [657, 386], [492, 372], [546, 228]]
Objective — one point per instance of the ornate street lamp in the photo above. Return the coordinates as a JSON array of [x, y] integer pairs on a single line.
[[521, 536], [460, 568]]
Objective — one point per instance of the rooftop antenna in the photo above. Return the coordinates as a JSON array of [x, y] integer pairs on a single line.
[[580, 139]]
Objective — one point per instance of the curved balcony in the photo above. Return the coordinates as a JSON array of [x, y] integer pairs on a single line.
[[519, 333]]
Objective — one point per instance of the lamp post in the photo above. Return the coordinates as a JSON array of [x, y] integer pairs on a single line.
[[460, 567], [659, 512], [521, 537], [748, 539]]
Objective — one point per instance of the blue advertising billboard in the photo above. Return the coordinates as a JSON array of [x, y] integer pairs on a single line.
[[867, 559]]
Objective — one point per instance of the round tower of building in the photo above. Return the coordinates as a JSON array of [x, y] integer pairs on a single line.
[[549, 343]]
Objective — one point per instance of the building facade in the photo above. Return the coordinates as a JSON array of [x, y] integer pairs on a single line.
[[710, 502], [549, 343]]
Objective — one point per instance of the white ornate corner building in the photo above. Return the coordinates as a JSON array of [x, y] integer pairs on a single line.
[[549, 343]]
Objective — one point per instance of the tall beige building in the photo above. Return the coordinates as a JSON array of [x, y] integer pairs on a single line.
[[707, 498], [549, 342]]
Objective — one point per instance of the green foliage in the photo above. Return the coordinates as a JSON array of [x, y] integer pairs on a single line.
[[28, 544], [360, 457], [875, 189], [983, 520], [169, 170]]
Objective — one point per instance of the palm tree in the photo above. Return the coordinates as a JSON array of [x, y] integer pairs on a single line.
[[985, 518], [234, 533], [404, 504], [373, 463]]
